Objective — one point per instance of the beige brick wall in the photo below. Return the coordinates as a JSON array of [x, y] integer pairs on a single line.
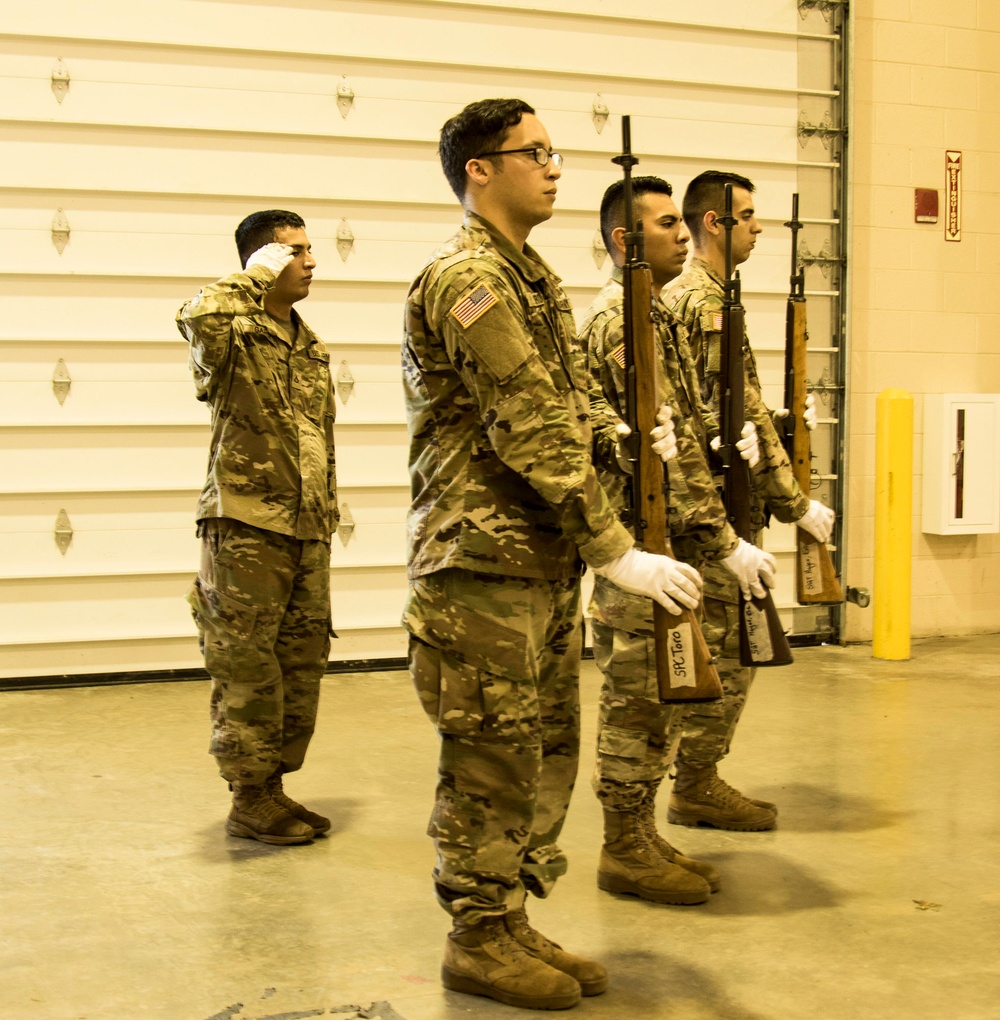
[[925, 313]]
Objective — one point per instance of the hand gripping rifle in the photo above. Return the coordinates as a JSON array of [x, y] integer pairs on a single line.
[[815, 575], [684, 667], [762, 640]]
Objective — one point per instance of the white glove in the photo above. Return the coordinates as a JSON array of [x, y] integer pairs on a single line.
[[748, 445], [751, 566], [818, 520], [621, 450], [808, 416], [664, 441], [274, 255], [657, 577]]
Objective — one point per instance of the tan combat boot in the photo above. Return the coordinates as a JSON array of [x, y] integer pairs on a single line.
[[702, 797], [591, 976], [255, 816], [631, 864], [318, 823], [487, 960], [647, 819]]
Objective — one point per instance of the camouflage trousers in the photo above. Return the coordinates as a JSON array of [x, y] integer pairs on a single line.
[[495, 662], [633, 747], [704, 732], [261, 602]]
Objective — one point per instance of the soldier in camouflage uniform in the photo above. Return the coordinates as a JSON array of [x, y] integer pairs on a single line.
[[506, 507], [699, 794], [632, 745], [262, 597]]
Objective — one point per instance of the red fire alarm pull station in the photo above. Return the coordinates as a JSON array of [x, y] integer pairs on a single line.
[[925, 205]]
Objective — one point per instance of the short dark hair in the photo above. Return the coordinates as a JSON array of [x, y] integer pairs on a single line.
[[481, 127], [613, 203], [707, 193], [261, 228]]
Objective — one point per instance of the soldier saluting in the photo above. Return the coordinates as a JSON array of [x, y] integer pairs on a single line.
[[262, 597]]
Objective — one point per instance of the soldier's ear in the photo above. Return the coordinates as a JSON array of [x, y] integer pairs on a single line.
[[710, 221], [478, 171], [618, 239]]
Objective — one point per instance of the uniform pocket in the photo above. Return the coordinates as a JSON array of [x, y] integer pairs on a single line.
[[449, 690], [227, 632]]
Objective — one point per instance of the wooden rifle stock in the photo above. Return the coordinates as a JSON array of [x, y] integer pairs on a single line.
[[816, 582], [684, 668], [761, 637]]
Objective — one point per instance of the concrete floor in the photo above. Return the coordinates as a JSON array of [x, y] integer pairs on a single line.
[[878, 896]]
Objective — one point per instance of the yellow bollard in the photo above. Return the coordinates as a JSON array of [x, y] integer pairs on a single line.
[[893, 524]]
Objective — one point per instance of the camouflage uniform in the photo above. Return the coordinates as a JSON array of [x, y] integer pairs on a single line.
[[505, 506], [262, 598], [633, 725], [705, 731]]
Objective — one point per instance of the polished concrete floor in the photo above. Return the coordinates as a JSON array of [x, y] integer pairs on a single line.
[[878, 896]]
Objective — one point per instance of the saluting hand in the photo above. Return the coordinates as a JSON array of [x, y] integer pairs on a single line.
[[274, 255]]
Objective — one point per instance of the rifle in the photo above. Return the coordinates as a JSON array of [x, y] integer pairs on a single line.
[[816, 581], [762, 639], [684, 668]]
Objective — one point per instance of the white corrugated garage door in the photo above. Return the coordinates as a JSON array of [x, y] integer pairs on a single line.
[[178, 118]]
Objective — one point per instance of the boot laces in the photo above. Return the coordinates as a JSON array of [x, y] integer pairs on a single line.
[[647, 824], [725, 793], [519, 927], [264, 807], [496, 929], [277, 794]]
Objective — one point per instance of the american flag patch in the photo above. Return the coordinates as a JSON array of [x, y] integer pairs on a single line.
[[716, 322], [618, 355], [470, 308]]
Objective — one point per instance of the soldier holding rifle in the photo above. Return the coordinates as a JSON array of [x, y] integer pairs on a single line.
[[700, 795], [632, 754]]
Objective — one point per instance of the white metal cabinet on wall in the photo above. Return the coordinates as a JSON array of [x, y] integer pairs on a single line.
[[136, 136], [961, 469]]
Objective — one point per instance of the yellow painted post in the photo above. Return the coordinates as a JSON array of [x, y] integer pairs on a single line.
[[893, 524]]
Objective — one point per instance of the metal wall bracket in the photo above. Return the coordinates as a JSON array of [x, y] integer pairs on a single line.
[[60, 80], [345, 529], [345, 98], [828, 7], [345, 239], [824, 258], [63, 532], [61, 381], [599, 113], [826, 392], [598, 250], [824, 129], [60, 231], [345, 382]]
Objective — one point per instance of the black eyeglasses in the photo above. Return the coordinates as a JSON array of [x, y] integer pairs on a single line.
[[542, 156]]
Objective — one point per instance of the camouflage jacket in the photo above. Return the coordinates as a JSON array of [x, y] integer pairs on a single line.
[[695, 515], [696, 297], [496, 401], [271, 458]]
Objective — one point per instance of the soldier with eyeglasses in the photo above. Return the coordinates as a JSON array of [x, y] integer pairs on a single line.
[[506, 508]]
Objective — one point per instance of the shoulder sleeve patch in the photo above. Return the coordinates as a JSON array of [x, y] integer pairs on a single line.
[[711, 322], [472, 306], [618, 354]]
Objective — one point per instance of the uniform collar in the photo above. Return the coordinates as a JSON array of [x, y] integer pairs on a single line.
[[618, 276], [530, 264], [703, 267]]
